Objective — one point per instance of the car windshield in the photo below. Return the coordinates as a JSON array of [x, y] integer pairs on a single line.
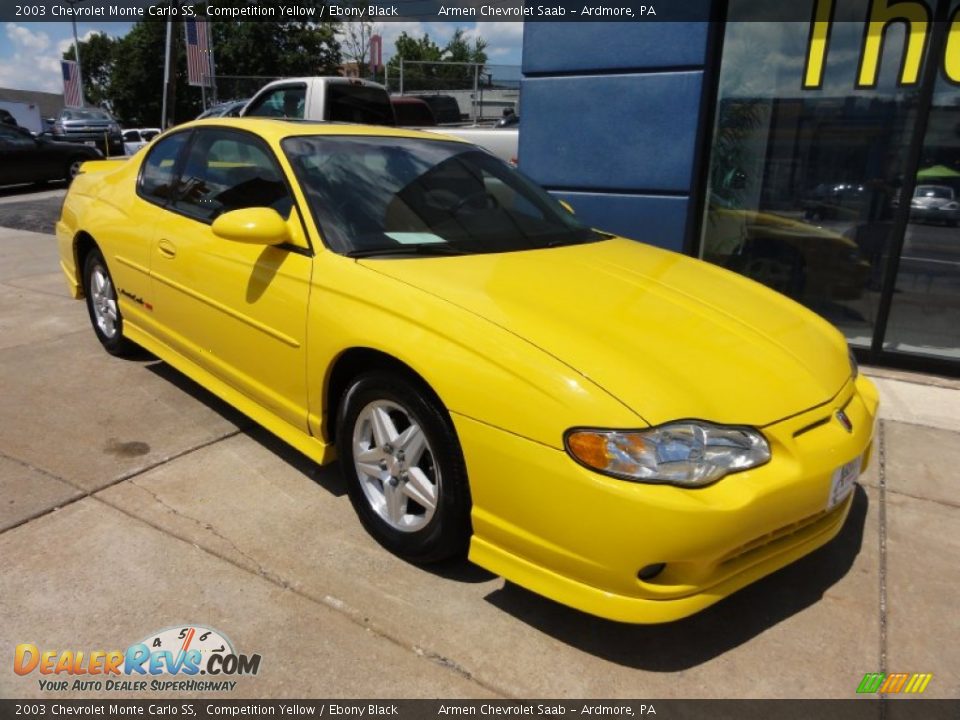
[[86, 114], [383, 196], [934, 191]]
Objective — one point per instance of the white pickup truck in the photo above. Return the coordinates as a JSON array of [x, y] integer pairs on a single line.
[[341, 99]]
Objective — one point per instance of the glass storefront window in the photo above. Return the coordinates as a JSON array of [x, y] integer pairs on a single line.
[[925, 310], [808, 158]]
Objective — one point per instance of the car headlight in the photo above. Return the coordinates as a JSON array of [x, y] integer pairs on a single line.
[[688, 453]]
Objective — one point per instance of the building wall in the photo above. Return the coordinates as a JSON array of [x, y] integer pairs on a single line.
[[610, 118], [50, 104]]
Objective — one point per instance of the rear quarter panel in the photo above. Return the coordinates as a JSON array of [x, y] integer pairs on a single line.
[[102, 204]]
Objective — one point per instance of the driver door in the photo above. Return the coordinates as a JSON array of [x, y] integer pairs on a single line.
[[237, 310]]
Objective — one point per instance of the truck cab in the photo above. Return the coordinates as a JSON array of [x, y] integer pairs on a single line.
[[337, 99]]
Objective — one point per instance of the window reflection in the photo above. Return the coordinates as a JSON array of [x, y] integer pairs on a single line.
[[804, 181], [925, 312]]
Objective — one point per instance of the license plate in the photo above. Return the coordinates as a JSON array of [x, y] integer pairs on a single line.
[[843, 481], [91, 143]]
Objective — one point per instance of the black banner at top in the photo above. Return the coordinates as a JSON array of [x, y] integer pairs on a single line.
[[455, 11]]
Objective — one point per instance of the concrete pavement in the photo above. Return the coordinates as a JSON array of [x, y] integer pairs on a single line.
[[132, 500]]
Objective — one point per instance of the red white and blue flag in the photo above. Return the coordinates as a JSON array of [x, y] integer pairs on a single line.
[[198, 53], [71, 83]]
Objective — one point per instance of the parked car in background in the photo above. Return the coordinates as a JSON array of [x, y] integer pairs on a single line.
[[798, 259], [935, 203], [231, 108], [25, 158], [445, 108], [835, 201], [7, 119], [92, 127], [136, 138], [412, 111]]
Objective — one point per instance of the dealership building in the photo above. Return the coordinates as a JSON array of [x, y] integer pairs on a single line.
[[821, 158]]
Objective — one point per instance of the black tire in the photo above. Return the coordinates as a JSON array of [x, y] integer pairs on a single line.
[[113, 342], [72, 167], [447, 532]]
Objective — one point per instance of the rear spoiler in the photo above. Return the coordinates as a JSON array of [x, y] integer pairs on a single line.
[[91, 167]]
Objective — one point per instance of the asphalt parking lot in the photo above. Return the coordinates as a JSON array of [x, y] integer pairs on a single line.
[[132, 500]]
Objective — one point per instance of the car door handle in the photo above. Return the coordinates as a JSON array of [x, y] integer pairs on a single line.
[[167, 249]]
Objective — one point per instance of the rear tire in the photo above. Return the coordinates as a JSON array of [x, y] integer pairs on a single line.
[[103, 307], [404, 468]]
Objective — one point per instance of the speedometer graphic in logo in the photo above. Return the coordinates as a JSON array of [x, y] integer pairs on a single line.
[[194, 642]]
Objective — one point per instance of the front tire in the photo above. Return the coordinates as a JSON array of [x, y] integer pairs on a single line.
[[404, 468], [73, 167], [102, 305]]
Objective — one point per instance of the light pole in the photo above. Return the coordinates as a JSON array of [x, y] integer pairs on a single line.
[[76, 50]]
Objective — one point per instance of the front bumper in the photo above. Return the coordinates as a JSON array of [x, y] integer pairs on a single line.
[[581, 538]]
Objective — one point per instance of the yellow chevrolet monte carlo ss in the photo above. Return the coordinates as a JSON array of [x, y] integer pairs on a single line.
[[623, 429]]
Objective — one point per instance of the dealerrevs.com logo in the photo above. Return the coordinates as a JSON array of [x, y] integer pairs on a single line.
[[183, 652]]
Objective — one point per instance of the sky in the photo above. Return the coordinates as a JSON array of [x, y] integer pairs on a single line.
[[30, 52]]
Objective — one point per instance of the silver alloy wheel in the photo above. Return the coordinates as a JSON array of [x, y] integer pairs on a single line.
[[74, 168], [396, 466], [103, 301]]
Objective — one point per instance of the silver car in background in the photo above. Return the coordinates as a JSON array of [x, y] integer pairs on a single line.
[[935, 203]]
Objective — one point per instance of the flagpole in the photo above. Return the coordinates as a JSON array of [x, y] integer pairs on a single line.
[[213, 65], [166, 74]]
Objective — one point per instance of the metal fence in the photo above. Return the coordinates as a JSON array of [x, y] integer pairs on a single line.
[[483, 92]]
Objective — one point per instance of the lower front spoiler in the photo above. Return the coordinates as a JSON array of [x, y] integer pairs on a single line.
[[622, 608]]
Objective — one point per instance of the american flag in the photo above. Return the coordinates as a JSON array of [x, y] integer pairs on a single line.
[[198, 52], [71, 83]]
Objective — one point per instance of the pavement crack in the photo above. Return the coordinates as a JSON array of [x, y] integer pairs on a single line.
[[330, 602], [261, 570], [85, 493], [60, 295], [35, 468]]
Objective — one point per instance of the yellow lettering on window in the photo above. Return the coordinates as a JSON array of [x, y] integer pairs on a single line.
[[951, 57], [817, 44], [916, 16]]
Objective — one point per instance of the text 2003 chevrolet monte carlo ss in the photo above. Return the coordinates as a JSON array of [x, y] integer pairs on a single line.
[[629, 431]]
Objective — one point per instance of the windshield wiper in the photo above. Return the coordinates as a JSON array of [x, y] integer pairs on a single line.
[[419, 249]]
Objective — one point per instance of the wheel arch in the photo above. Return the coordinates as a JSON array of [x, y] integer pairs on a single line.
[[83, 244], [354, 362]]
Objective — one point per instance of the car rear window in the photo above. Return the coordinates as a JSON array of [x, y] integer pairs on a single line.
[[359, 104]]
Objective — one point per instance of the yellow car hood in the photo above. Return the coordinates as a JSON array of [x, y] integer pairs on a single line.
[[669, 336]]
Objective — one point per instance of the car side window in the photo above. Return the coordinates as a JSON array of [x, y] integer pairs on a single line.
[[226, 171], [131, 135], [285, 102], [13, 136], [157, 175]]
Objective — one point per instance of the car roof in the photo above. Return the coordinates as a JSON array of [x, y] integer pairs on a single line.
[[276, 129]]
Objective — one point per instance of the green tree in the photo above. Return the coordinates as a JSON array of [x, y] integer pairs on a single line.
[[97, 57], [136, 86], [264, 49], [272, 50], [459, 50], [437, 76]]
